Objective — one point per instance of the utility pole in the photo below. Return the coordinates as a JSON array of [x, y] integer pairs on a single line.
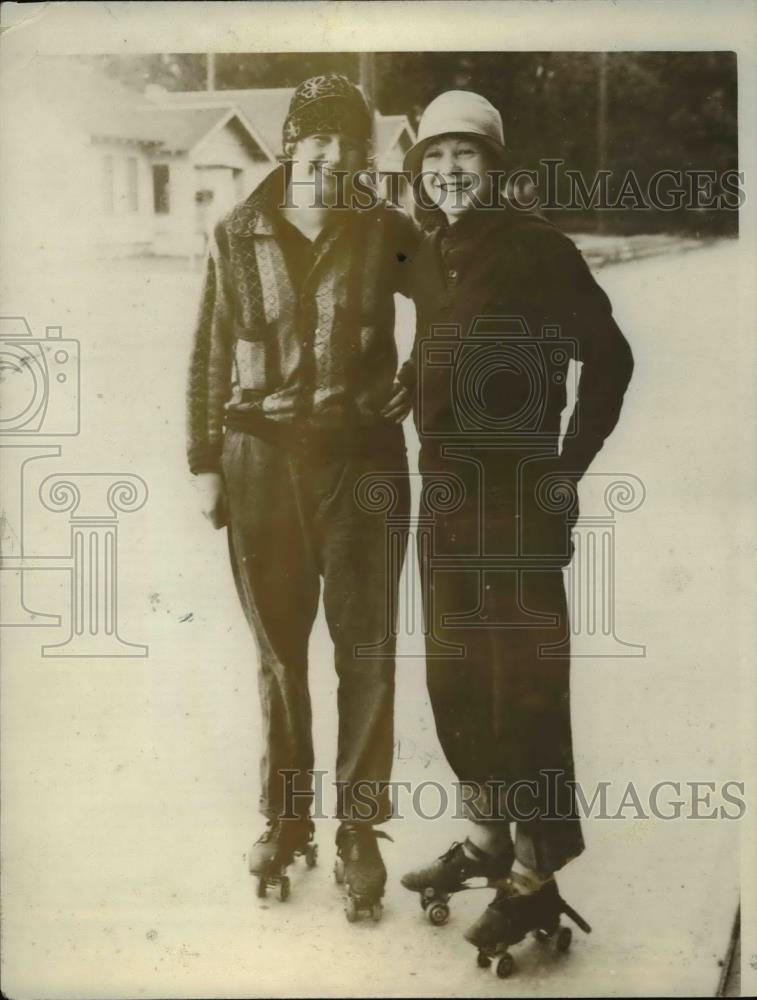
[[367, 72], [602, 68], [211, 75], [368, 78]]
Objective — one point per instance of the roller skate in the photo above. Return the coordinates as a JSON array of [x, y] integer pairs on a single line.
[[450, 873], [276, 849], [512, 915], [360, 868]]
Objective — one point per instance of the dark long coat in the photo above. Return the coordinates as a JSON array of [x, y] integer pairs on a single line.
[[504, 302]]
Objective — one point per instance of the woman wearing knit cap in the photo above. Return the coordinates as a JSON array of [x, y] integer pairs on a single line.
[[292, 401], [503, 302]]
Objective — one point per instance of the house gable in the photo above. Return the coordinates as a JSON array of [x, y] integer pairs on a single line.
[[228, 144]]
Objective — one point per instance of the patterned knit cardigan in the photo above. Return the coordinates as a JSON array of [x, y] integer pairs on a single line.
[[255, 332]]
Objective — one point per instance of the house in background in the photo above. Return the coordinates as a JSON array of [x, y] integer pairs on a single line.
[[128, 176], [117, 172], [394, 135], [208, 159]]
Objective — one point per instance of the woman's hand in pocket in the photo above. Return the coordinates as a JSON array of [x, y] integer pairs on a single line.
[[399, 405]]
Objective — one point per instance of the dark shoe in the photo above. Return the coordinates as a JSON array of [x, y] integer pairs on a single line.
[[449, 872], [512, 914], [278, 844], [361, 868]]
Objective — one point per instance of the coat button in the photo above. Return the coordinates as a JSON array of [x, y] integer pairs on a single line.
[[452, 273]]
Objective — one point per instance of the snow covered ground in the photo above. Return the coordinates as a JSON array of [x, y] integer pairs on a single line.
[[129, 786]]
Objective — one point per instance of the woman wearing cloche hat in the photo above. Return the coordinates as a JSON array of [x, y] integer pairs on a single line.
[[504, 301]]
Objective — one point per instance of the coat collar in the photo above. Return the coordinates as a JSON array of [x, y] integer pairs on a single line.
[[254, 216], [474, 224]]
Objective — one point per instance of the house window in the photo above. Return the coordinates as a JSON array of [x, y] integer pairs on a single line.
[[160, 193], [132, 184], [108, 193]]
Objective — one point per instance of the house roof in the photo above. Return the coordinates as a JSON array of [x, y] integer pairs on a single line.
[[172, 121], [264, 109], [175, 130], [105, 109]]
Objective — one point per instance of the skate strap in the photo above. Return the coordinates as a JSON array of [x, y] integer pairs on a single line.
[[450, 851], [472, 851], [366, 831], [577, 919], [270, 829]]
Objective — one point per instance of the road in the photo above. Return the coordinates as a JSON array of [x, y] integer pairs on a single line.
[[129, 786]]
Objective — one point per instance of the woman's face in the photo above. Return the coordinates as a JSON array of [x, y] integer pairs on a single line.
[[322, 154], [456, 174]]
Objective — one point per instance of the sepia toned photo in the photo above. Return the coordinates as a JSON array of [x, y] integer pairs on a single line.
[[378, 488]]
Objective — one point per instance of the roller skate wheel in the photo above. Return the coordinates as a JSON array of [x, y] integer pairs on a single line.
[[563, 938], [541, 935], [482, 960], [505, 966], [339, 871], [438, 914], [284, 888], [351, 909], [262, 888], [377, 911], [311, 855]]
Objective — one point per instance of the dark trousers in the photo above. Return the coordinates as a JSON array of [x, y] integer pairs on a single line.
[[500, 695], [294, 518]]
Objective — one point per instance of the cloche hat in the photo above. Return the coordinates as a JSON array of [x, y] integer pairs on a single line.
[[327, 103], [461, 112]]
